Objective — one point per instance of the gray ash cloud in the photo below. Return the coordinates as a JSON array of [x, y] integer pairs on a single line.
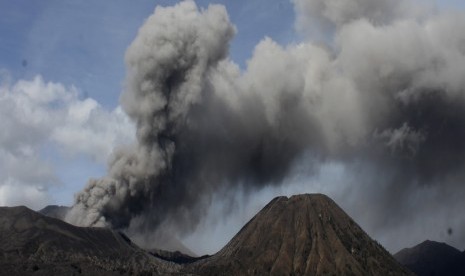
[[388, 93]]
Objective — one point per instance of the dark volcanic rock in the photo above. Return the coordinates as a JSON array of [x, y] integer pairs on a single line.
[[431, 258], [31, 243], [301, 235], [458, 266]]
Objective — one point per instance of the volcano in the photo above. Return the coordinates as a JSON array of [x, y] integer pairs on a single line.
[[300, 235]]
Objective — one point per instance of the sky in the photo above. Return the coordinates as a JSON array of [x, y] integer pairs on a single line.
[[81, 46], [62, 72]]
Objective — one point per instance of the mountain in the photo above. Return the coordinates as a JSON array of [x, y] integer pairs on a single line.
[[164, 242], [300, 235], [433, 258], [34, 244], [55, 211]]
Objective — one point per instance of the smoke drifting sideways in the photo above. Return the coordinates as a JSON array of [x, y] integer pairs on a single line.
[[385, 98]]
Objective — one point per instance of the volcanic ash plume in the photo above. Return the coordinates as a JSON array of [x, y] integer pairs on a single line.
[[385, 97], [169, 64]]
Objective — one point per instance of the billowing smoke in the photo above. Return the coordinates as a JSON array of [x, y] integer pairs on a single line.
[[384, 98]]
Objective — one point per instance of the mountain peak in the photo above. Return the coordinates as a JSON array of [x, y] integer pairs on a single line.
[[304, 197], [432, 258], [302, 235], [55, 211]]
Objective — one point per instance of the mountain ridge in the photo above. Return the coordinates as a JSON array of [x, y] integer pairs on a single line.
[[300, 235], [32, 243]]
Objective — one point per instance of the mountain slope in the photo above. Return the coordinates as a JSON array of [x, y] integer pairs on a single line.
[[300, 235], [433, 258], [32, 243]]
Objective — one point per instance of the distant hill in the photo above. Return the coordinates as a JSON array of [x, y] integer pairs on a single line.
[[55, 211], [431, 258], [301, 235]]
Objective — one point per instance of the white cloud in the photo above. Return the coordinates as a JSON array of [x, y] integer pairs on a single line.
[[14, 193], [91, 130], [37, 117]]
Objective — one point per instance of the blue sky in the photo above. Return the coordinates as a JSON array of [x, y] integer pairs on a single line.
[[81, 44]]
